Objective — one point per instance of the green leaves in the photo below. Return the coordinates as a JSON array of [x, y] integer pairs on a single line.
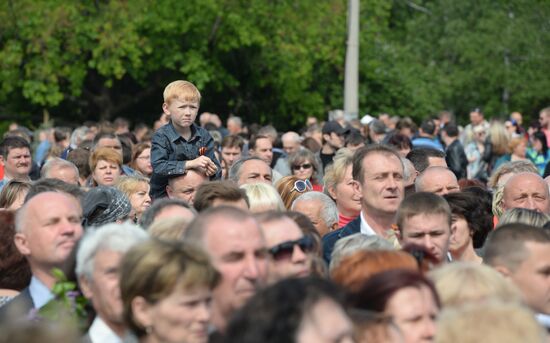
[[272, 61]]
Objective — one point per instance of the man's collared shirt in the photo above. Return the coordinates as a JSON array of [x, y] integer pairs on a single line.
[[99, 332], [366, 229], [40, 294]]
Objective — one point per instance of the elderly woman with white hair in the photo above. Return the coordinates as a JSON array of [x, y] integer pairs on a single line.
[[97, 267]]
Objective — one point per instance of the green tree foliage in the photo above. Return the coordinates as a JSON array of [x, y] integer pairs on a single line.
[[270, 60], [492, 54], [265, 60]]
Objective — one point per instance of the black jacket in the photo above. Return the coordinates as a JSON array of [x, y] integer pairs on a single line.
[[456, 159]]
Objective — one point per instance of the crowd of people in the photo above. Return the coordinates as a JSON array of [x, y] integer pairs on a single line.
[[367, 230]]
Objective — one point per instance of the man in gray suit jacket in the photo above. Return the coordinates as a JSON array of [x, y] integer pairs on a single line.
[[47, 227]]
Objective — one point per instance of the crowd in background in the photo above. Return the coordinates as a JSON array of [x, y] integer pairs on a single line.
[[377, 229]]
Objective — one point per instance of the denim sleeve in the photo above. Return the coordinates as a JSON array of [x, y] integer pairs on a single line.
[[161, 149]]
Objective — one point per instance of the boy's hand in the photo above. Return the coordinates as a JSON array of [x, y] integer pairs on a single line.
[[203, 164]]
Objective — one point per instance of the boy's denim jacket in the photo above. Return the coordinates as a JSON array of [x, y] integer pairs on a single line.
[[170, 151]]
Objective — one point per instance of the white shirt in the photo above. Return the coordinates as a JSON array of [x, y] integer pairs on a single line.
[[544, 320], [99, 332], [366, 229], [40, 294]]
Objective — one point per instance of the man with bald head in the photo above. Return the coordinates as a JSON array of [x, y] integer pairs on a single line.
[[526, 190], [47, 227], [235, 243], [291, 143], [438, 180], [184, 187]]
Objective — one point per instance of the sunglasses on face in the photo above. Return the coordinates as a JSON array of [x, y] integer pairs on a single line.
[[285, 250], [302, 166], [302, 186]]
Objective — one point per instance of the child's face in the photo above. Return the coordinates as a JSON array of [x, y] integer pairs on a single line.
[[182, 113]]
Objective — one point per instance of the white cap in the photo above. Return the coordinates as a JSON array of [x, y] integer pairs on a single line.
[[366, 119]]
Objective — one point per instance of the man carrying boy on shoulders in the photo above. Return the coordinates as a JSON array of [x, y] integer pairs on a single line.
[[181, 145]]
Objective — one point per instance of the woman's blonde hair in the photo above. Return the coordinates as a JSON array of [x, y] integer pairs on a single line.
[[263, 197], [524, 216], [170, 229], [130, 184], [515, 142], [459, 283], [515, 167], [11, 191], [490, 322], [499, 137], [153, 269], [336, 171]]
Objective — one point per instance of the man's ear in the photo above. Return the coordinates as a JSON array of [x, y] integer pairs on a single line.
[[326, 137], [22, 243], [1, 160], [141, 310], [169, 191], [357, 189], [85, 286], [334, 227], [503, 271]]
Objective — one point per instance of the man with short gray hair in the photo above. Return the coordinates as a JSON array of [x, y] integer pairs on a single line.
[[57, 168], [97, 268], [251, 170], [320, 209]]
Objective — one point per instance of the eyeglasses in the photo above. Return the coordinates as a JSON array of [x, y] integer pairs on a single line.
[[285, 250], [302, 186], [302, 166]]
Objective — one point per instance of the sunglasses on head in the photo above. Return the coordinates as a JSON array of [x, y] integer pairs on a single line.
[[302, 166], [302, 186], [285, 250]]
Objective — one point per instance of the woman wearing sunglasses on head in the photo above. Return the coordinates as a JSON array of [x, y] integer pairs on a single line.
[[291, 187], [304, 166]]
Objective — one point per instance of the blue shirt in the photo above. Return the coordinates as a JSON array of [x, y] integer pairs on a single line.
[[170, 151], [40, 294]]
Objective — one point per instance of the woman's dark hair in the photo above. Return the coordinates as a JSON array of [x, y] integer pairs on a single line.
[[301, 156], [275, 313], [138, 149], [15, 272], [378, 290], [400, 141], [469, 205], [541, 137]]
